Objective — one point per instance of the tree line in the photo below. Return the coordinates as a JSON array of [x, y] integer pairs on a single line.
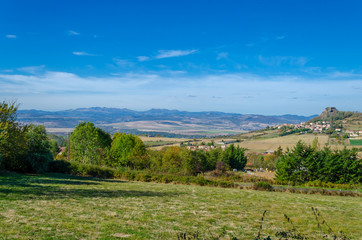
[[27, 148], [23, 148], [307, 163], [89, 144]]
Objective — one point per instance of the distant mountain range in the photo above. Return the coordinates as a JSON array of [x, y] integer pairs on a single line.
[[157, 120]]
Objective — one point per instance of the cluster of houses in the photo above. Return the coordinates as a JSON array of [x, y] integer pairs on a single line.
[[204, 147], [221, 144], [319, 127]]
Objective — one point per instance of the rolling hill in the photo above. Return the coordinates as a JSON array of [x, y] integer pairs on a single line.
[[156, 120]]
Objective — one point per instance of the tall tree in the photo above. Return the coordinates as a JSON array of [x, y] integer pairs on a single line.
[[89, 144], [234, 157], [127, 150], [39, 151], [12, 139], [22, 148]]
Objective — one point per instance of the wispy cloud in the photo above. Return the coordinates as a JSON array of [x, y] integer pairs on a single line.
[[84, 54], [281, 60], [222, 92], [10, 36], [122, 62], [279, 37], [143, 58], [222, 55], [174, 53], [73, 33], [7, 70], [32, 69]]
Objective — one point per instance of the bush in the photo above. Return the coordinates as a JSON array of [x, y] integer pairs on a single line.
[[62, 166], [262, 186], [59, 166]]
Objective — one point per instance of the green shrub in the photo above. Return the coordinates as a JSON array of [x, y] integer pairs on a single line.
[[59, 166], [225, 184], [262, 186], [62, 166], [200, 180]]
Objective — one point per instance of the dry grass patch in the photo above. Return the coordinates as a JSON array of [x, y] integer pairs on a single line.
[[289, 141]]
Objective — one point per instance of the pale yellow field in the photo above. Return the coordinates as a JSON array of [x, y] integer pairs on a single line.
[[262, 145], [153, 139]]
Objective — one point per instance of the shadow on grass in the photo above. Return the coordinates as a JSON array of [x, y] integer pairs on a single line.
[[66, 176], [59, 186]]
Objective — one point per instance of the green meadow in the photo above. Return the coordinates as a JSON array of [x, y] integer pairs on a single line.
[[355, 142], [58, 206]]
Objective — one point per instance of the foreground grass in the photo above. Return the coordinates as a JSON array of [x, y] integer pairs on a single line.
[[57, 206]]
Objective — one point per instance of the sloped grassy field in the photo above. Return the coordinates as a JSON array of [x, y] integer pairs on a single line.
[[57, 206]]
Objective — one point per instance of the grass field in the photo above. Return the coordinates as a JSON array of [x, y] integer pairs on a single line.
[[265, 144], [56, 206], [355, 142]]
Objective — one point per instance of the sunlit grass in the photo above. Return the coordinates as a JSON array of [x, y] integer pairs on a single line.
[[56, 206]]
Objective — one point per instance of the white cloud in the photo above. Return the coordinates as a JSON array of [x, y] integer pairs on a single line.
[[279, 37], [32, 69], [123, 62], [174, 53], [10, 36], [7, 70], [281, 60], [222, 55], [73, 33], [143, 58], [83, 54], [241, 92]]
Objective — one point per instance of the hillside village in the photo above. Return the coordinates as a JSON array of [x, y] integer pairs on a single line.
[[321, 127], [331, 122]]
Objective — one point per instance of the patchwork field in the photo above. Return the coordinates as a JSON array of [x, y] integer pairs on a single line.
[[192, 127], [56, 206]]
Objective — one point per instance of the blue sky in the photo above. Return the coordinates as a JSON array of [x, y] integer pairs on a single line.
[[261, 57]]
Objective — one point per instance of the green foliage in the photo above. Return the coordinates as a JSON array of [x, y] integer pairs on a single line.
[[128, 150], [306, 163], [172, 159], [12, 138], [38, 149], [61, 141], [234, 157], [60, 166], [89, 144], [213, 157], [266, 162], [285, 130], [22, 148], [182, 161], [355, 142], [262, 186], [54, 147], [80, 169]]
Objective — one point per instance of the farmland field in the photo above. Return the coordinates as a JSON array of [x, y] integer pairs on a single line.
[[262, 145], [355, 142], [57, 206]]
